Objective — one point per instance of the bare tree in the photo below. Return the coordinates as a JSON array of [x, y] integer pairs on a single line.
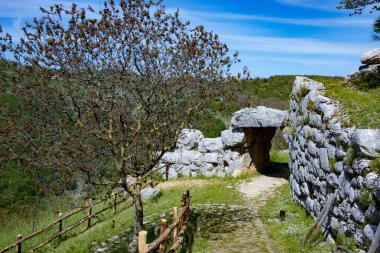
[[108, 91]]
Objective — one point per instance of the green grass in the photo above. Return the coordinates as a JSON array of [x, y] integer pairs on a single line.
[[214, 192], [286, 236], [279, 156], [355, 101]]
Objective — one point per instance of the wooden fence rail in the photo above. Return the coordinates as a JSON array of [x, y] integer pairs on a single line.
[[59, 222], [179, 222]]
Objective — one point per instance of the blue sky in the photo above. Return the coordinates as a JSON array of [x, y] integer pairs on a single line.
[[272, 36]]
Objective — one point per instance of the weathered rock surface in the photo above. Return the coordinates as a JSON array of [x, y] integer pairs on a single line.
[[371, 56], [189, 138], [367, 141], [258, 117], [326, 157], [233, 137], [211, 145]]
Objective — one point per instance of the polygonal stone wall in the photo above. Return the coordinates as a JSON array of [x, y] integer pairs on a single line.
[[326, 157]]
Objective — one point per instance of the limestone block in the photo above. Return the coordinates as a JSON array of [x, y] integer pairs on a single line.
[[334, 225], [211, 145], [189, 138], [190, 157], [212, 158], [357, 182], [258, 117], [359, 165], [367, 141], [304, 190], [328, 110], [371, 180], [324, 159], [233, 137], [315, 120], [172, 157], [357, 214], [332, 179], [369, 232]]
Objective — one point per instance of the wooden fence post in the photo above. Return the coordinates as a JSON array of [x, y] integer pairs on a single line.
[[175, 230], [114, 204], [183, 206], [18, 247], [142, 241], [60, 227], [163, 227], [89, 213]]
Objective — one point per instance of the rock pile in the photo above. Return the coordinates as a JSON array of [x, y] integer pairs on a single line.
[[371, 64]]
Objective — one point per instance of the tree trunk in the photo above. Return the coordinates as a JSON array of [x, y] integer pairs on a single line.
[[139, 218], [139, 213]]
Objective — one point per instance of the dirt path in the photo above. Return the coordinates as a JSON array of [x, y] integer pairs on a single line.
[[260, 188], [251, 237]]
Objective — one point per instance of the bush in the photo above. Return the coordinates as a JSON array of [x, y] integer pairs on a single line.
[[210, 126], [367, 82]]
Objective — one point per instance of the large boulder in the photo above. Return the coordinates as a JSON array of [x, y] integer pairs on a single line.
[[233, 137], [260, 116], [189, 138], [371, 56], [211, 145], [367, 141]]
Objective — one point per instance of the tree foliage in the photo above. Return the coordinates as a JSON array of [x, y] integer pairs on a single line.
[[106, 92], [358, 6]]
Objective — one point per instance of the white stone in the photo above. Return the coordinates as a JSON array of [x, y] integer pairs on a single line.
[[367, 141], [233, 137], [211, 145], [212, 158], [371, 56], [171, 157], [260, 116], [190, 156], [189, 138]]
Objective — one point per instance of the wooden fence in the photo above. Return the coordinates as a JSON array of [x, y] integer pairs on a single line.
[[59, 222], [177, 228]]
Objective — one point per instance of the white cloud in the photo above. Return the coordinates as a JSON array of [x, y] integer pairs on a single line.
[[328, 5], [31, 8], [293, 45], [356, 21]]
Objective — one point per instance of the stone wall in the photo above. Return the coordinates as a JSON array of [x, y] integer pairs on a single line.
[[195, 155], [244, 146], [326, 157]]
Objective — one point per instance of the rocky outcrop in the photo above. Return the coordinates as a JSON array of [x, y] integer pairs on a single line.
[[371, 61], [371, 56], [326, 157]]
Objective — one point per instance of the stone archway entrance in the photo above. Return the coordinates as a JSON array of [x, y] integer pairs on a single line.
[[259, 125]]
